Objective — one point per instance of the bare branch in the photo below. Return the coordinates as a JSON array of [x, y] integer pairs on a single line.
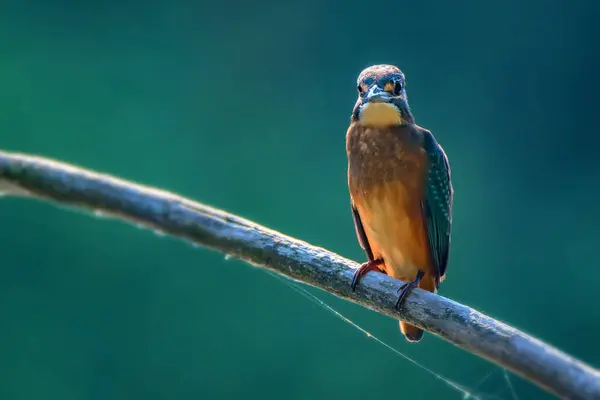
[[471, 330]]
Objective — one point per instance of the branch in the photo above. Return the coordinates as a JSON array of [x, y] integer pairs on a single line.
[[546, 366]]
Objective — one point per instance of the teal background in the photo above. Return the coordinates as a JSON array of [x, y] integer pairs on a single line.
[[244, 106]]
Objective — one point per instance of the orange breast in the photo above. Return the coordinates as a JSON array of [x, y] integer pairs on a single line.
[[387, 174], [392, 217]]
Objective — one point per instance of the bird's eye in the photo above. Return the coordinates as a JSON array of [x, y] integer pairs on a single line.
[[360, 89], [397, 88]]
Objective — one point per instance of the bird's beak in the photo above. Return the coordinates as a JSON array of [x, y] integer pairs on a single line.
[[377, 95]]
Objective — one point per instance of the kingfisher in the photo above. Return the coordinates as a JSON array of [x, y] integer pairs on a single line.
[[400, 188]]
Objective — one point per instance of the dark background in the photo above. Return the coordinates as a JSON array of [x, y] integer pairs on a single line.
[[244, 106]]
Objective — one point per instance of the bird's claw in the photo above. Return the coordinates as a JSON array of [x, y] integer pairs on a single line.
[[406, 289], [371, 265]]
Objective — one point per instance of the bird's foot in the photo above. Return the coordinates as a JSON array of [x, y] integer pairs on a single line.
[[371, 265], [407, 288]]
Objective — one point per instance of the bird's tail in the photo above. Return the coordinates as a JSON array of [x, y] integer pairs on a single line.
[[411, 332]]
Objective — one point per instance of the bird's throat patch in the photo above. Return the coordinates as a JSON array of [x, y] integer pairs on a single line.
[[380, 114]]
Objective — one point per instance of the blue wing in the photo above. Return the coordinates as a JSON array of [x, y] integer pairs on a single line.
[[360, 233], [437, 205]]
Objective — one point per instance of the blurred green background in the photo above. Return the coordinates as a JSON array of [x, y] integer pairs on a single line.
[[244, 106]]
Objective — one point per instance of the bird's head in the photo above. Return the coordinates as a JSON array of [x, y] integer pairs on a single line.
[[382, 97]]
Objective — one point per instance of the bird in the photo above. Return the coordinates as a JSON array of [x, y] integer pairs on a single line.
[[400, 188]]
